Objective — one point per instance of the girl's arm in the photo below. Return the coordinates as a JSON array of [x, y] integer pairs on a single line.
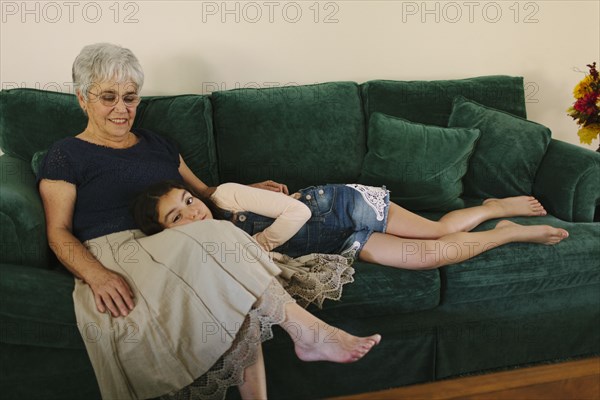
[[290, 214]]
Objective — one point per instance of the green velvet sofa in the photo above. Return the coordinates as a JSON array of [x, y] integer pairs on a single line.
[[438, 145]]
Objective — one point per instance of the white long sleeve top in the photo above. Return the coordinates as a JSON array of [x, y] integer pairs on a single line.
[[289, 214]]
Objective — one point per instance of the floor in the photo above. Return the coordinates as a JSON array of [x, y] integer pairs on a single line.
[[573, 380]]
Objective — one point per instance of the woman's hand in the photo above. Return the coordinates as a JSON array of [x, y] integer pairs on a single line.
[[111, 291], [272, 186]]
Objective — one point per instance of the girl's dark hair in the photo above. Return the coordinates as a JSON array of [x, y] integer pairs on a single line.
[[145, 205]]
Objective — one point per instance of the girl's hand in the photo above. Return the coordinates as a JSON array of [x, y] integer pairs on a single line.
[[272, 186], [111, 291]]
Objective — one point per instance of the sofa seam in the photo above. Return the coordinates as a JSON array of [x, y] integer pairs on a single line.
[[576, 194]]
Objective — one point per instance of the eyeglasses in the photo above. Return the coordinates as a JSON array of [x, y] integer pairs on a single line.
[[111, 99]]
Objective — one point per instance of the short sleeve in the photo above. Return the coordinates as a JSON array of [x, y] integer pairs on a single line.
[[57, 165]]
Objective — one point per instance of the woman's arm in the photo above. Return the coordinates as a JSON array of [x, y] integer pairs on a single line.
[[110, 289], [193, 181], [290, 214], [272, 186], [206, 191]]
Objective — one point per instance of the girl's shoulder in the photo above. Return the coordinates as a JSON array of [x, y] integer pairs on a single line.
[[231, 186], [228, 190]]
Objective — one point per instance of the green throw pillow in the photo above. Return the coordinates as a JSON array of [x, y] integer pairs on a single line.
[[508, 153], [36, 160], [421, 165]]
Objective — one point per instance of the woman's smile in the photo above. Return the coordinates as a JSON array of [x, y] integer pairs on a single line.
[[118, 121]]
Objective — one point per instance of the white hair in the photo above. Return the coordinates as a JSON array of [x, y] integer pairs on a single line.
[[102, 62]]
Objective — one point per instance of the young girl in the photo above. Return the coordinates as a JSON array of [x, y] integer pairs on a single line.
[[353, 220]]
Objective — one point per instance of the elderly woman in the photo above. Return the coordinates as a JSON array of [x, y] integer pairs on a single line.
[[169, 313]]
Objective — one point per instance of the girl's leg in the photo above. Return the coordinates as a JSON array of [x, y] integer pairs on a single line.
[[315, 340], [255, 380], [454, 248], [404, 223]]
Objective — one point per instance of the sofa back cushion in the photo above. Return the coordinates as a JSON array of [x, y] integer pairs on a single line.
[[187, 119], [508, 153], [31, 120], [430, 102], [298, 135]]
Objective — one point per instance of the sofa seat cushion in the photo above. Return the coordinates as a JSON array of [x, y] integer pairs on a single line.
[[518, 269], [297, 135], [430, 102], [36, 308], [47, 318], [383, 291]]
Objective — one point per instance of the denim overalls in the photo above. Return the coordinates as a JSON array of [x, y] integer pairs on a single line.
[[343, 218]]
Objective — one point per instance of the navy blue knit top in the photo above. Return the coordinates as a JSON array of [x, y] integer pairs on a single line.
[[108, 179]]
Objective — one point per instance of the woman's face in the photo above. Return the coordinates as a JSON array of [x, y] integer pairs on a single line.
[[179, 207], [111, 108]]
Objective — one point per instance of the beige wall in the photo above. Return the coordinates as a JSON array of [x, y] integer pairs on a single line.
[[201, 46]]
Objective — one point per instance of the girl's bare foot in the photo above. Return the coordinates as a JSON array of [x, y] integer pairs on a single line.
[[327, 343], [543, 234], [519, 206]]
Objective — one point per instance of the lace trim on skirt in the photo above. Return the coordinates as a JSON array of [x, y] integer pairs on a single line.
[[315, 277], [228, 371]]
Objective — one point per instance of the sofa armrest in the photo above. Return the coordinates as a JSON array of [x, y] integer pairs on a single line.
[[568, 182], [22, 222]]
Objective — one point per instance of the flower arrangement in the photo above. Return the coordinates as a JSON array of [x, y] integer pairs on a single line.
[[586, 109]]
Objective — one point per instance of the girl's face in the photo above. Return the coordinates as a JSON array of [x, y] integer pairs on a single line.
[[179, 207]]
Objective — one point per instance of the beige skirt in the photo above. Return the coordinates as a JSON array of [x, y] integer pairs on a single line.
[[194, 287]]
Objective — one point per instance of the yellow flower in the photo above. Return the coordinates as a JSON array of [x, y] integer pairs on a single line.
[[571, 111], [584, 87], [589, 132]]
